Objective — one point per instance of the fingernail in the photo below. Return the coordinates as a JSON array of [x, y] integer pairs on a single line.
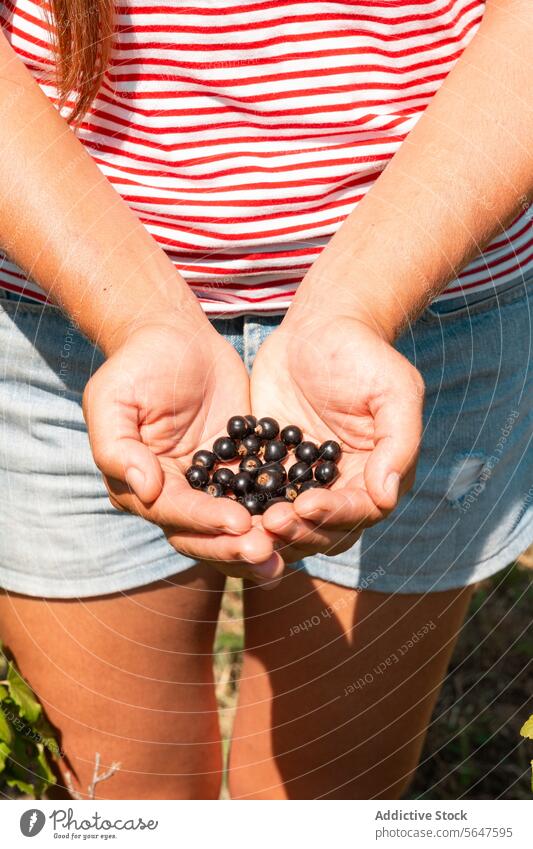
[[316, 515], [263, 570], [227, 529], [392, 484], [135, 480]]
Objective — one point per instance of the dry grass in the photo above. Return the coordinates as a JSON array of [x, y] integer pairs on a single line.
[[473, 749]]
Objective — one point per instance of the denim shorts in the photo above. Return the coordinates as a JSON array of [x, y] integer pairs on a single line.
[[469, 514]]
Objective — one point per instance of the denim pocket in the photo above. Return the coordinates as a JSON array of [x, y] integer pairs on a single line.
[[470, 306]]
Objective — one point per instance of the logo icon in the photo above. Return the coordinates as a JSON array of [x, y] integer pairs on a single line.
[[32, 822]]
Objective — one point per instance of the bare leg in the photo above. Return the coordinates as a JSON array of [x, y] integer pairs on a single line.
[[129, 676], [336, 693]]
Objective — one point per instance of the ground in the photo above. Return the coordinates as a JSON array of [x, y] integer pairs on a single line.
[[473, 749]]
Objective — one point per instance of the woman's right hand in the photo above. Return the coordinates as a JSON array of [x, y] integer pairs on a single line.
[[162, 394]]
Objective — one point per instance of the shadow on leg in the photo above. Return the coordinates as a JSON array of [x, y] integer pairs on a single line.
[[337, 688]]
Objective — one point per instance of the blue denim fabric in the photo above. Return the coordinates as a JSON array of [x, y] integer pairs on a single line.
[[469, 514]]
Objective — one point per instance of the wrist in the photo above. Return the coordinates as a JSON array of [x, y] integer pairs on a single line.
[[110, 312], [186, 320], [342, 287], [318, 302]]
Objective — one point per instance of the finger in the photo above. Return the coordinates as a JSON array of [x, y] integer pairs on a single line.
[[250, 549], [184, 509], [398, 431], [265, 575], [338, 509], [311, 542], [115, 439], [297, 537], [282, 521], [338, 542]]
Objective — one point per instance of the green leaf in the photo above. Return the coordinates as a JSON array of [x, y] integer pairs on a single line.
[[6, 732], [22, 695], [44, 768], [47, 736], [527, 728], [23, 786], [5, 751], [3, 693]]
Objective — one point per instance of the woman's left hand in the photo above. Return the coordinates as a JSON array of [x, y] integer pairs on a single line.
[[337, 378]]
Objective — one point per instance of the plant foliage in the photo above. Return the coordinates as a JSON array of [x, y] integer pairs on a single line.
[[27, 741]]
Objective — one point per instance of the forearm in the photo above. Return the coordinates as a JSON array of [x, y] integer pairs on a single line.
[[64, 224], [462, 175]]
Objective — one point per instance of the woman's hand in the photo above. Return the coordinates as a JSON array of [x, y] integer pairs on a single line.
[[165, 392], [337, 378]]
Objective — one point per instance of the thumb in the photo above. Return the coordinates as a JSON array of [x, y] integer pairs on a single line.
[[118, 451], [397, 435]]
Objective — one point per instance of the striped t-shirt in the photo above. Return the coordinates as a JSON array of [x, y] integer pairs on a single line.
[[242, 134]]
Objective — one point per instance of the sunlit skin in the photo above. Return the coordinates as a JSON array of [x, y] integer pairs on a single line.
[[169, 385], [341, 381], [176, 408], [421, 221]]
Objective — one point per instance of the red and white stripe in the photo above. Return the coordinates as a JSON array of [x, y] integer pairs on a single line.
[[242, 134]]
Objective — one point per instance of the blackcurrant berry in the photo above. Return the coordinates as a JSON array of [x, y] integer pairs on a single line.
[[224, 477], [252, 421], [238, 427], [267, 428], [274, 451], [326, 472], [269, 481], [330, 450], [300, 472], [278, 500], [253, 503], [251, 444], [204, 458], [307, 452], [291, 491], [309, 485], [215, 489], [242, 484], [291, 435], [225, 448], [197, 476], [275, 467], [251, 463]]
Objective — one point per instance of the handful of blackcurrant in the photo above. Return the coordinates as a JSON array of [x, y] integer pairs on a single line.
[[261, 479]]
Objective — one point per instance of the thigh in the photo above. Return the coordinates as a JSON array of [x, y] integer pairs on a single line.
[[337, 688], [128, 676]]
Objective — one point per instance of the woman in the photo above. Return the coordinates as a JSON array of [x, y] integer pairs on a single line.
[[365, 164]]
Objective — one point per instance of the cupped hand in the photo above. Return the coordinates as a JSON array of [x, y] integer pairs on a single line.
[[338, 378], [164, 393]]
